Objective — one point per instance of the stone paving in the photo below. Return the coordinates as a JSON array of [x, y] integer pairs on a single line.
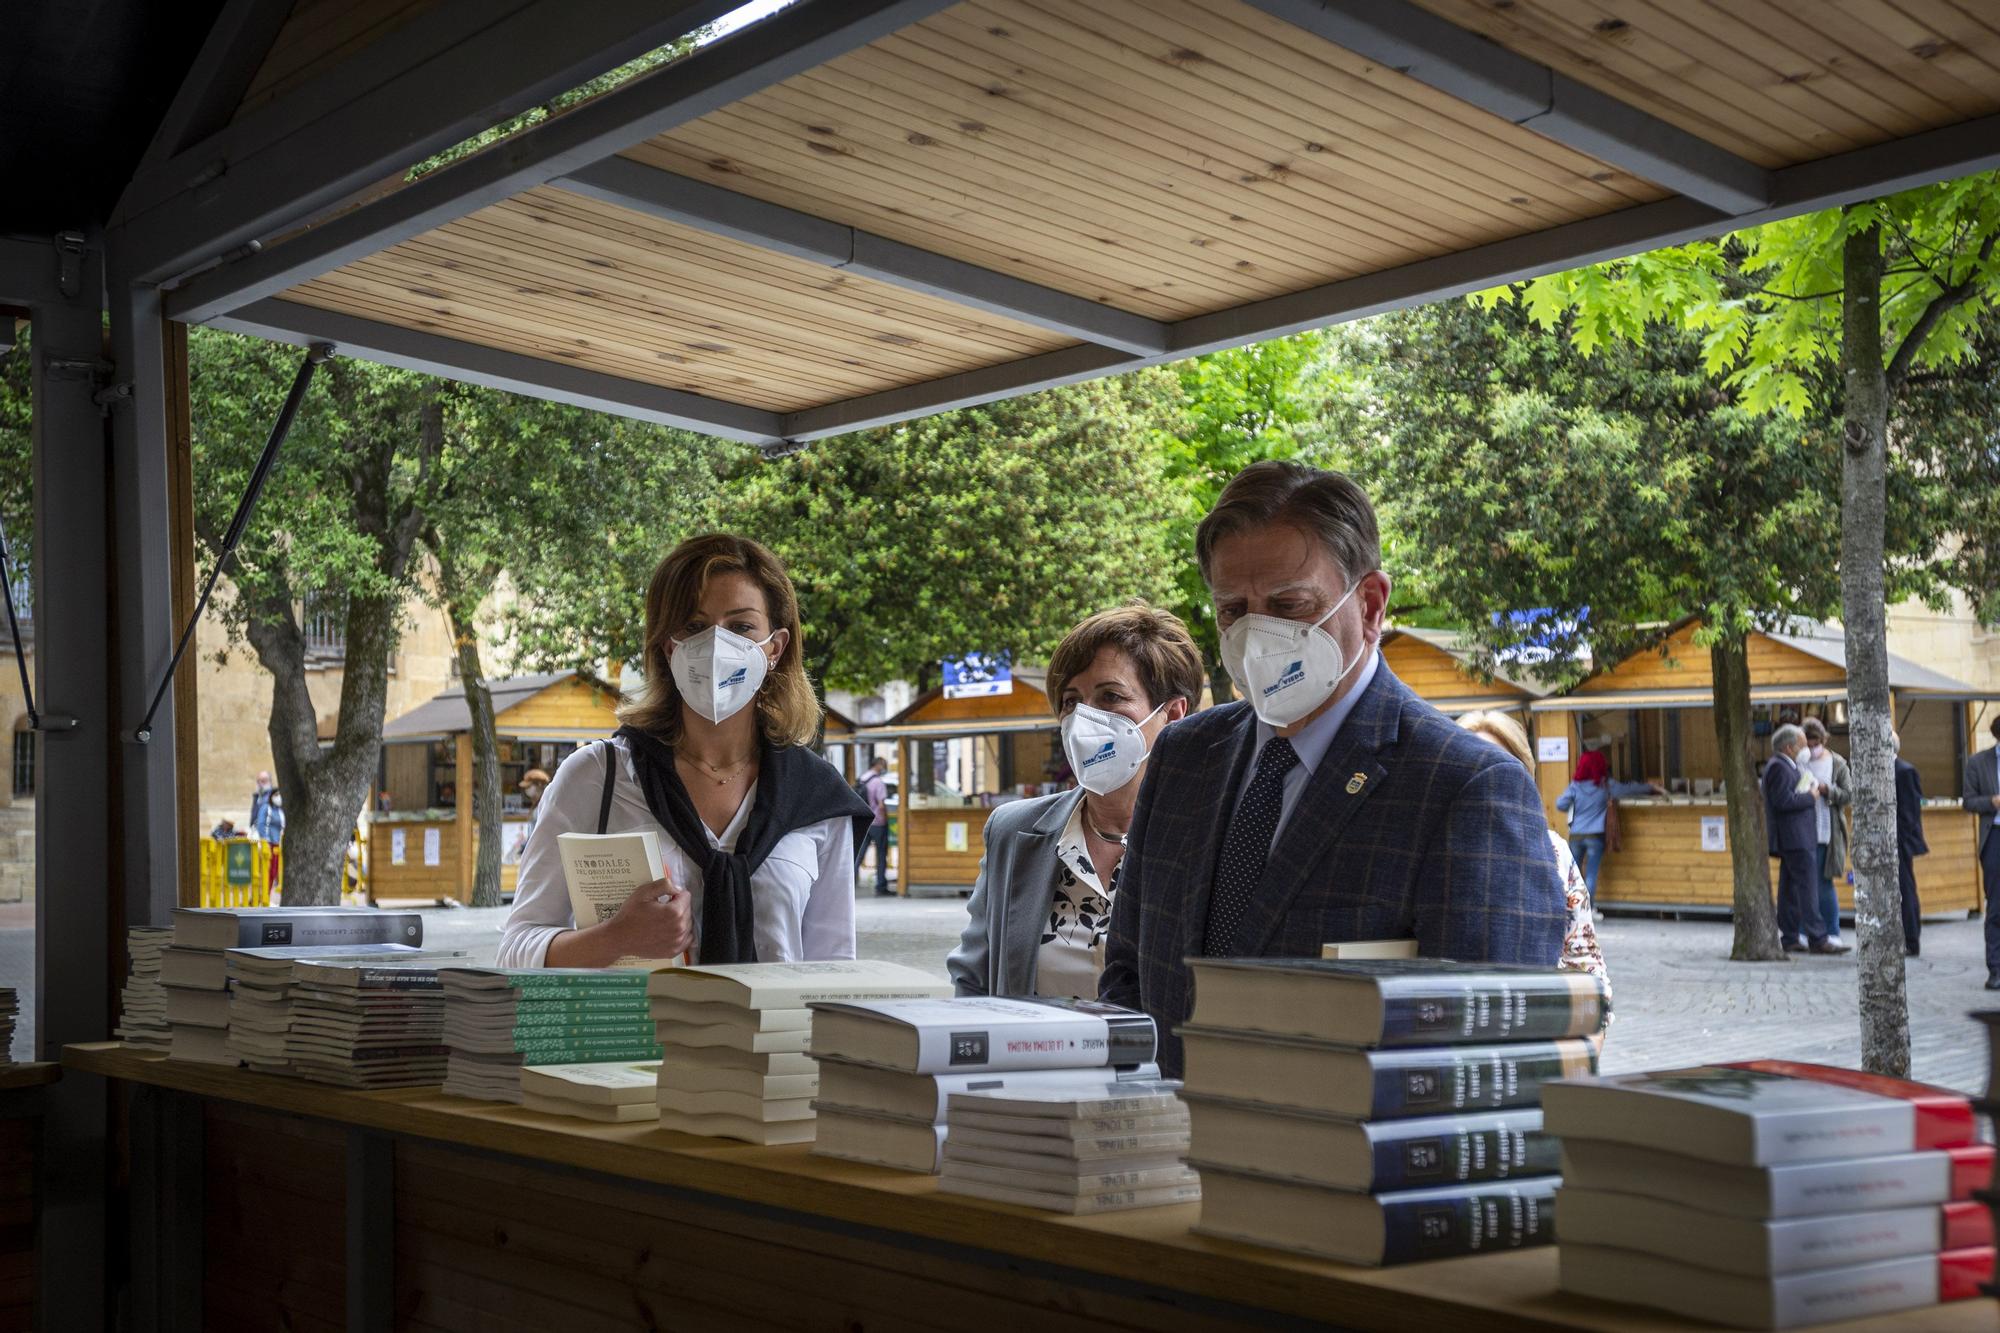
[[1679, 999]]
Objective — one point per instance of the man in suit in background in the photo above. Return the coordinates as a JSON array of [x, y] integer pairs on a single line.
[[1982, 798], [1789, 804], [1910, 844], [1330, 804]]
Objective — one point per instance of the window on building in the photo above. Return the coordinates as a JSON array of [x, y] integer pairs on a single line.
[[325, 627], [25, 750]]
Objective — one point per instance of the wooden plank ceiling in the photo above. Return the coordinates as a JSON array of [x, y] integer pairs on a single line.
[[1169, 158]]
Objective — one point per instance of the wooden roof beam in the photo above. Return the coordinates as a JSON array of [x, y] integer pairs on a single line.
[[795, 39], [710, 208], [1476, 70], [474, 363]]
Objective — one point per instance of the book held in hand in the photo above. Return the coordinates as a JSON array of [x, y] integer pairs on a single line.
[[1402, 1226], [1395, 1002], [975, 1033], [603, 870]]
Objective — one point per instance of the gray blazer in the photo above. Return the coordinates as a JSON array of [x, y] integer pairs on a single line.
[[1982, 784], [1011, 898]]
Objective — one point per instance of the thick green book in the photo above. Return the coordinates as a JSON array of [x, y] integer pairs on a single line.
[[585, 1052], [589, 1018], [598, 1032], [539, 981]]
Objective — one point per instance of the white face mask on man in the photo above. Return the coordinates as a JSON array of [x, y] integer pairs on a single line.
[[718, 671], [1105, 750], [1285, 668]]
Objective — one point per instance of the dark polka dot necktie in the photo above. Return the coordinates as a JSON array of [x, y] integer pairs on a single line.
[[1247, 846]]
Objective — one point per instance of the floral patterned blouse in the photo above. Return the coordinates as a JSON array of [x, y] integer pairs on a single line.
[[1580, 949], [1072, 948]]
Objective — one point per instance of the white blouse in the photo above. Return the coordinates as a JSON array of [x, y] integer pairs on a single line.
[[802, 896]]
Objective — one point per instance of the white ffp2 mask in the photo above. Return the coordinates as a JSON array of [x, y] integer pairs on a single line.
[[1105, 750], [718, 671], [1286, 668]]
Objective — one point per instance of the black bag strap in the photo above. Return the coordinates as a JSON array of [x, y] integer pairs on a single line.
[[610, 785]]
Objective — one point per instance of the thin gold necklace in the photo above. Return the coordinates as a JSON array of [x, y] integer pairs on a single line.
[[720, 774]]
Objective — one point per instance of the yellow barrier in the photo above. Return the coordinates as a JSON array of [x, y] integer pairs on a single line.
[[239, 872]]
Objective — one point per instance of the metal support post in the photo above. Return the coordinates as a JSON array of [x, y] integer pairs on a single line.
[[168, 1200], [371, 1231]]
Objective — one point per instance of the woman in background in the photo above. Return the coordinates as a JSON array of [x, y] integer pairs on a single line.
[[1588, 800]]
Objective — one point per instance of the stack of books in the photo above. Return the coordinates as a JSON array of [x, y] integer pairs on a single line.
[[1381, 1111], [260, 994], [369, 1022], [1989, 1106], [615, 1093], [889, 1068], [10, 1013], [195, 973], [733, 1060], [498, 1021], [1119, 1146], [1769, 1194], [142, 1006]]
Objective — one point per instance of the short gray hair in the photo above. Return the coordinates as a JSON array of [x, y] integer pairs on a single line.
[[1322, 504], [1786, 736]]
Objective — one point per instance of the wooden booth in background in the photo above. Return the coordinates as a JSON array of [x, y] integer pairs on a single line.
[[955, 760], [422, 842], [1431, 663], [1652, 714]]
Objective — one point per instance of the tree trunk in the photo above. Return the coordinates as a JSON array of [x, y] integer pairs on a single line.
[[1885, 1014], [1749, 848], [485, 794]]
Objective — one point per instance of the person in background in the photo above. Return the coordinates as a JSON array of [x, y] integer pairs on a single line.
[[1330, 804], [1581, 951], [758, 833], [267, 811], [1910, 845], [1788, 813], [1041, 908], [1833, 779], [533, 783], [225, 830], [1593, 821], [875, 791], [1982, 798]]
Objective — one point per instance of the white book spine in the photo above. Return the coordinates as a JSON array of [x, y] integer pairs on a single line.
[[1886, 1182], [1074, 1042]]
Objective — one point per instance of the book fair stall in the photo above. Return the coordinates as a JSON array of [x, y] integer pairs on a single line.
[[814, 219], [1652, 715], [1431, 664], [422, 840]]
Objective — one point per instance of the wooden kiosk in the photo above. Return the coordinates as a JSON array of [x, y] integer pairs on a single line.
[[956, 759], [1430, 662], [1652, 715], [422, 842]]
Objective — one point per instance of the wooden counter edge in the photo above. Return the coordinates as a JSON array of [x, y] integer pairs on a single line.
[[1151, 1247], [29, 1074]]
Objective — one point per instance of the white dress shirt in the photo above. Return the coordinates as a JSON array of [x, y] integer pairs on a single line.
[[802, 896], [1310, 744]]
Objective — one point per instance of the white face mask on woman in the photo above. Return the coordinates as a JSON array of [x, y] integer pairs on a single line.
[[1285, 668], [1105, 750], [718, 671]]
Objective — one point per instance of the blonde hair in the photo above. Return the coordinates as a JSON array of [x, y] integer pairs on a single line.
[[1504, 732], [786, 708]]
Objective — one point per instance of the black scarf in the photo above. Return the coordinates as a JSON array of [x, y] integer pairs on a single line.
[[795, 789]]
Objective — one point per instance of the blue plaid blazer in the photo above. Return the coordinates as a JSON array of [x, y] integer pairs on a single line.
[[1410, 826]]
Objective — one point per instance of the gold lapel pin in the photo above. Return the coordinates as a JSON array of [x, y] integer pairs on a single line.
[[1356, 783]]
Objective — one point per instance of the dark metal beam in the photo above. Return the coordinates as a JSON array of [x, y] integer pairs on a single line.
[[710, 208], [809, 33], [29, 271], [222, 71], [1435, 52], [435, 354], [451, 72]]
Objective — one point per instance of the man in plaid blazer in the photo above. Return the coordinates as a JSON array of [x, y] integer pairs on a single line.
[[1393, 822]]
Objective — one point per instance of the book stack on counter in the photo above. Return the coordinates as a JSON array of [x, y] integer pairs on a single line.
[[260, 994], [1769, 1194], [1116, 1147], [733, 1039], [10, 1013], [195, 973], [369, 1022], [1989, 1106], [617, 1093], [889, 1068], [498, 1021], [1380, 1111], [142, 1005]]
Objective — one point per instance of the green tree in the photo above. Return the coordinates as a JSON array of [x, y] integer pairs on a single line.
[[1617, 491], [1830, 313], [988, 528], [17, 456]]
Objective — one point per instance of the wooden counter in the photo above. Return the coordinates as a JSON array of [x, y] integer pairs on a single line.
[[468, 1214], [1663, 866]]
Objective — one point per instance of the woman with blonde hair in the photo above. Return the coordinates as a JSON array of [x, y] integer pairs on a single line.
[[1580, 952], [760, 835]]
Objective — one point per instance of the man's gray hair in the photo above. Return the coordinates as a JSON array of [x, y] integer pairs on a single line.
[[1326, 505], [1785, 737]]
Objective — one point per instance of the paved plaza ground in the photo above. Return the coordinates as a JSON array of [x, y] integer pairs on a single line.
[[1678, 997]]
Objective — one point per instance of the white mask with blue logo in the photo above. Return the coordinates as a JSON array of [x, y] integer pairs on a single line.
[[1105, 750], [719, 671], [1284, 668]]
